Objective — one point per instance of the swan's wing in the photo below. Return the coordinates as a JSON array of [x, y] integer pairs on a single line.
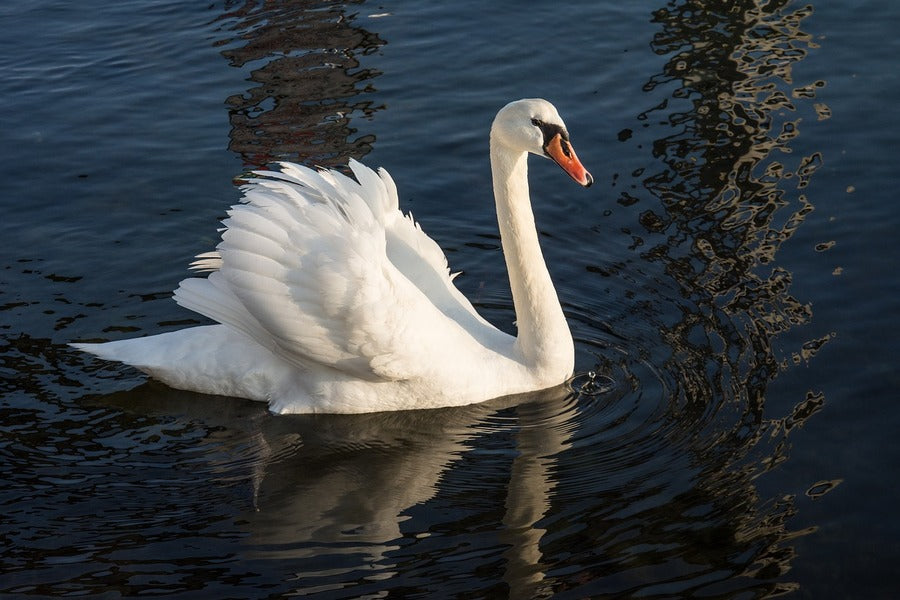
[[303, 269], [422, 261]]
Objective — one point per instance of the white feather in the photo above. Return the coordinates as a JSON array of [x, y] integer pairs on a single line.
[[327, 298]]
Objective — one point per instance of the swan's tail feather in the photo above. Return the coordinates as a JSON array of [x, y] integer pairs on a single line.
[[210, 359], [129, 351]]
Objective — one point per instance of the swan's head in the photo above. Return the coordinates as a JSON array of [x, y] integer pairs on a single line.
[[533, 125]]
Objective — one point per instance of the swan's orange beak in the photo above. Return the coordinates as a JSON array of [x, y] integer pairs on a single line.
[[561, 151]]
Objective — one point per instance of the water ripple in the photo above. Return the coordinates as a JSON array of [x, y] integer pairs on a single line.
[[639, 478]]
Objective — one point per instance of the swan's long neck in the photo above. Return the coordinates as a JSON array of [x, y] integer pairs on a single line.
[[544, 340]]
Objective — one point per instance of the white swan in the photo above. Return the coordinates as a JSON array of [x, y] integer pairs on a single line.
[[329, 299]]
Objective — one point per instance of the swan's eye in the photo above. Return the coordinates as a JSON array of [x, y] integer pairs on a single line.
[[537, 122]]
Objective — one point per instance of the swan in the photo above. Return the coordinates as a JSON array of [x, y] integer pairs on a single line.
[[328, 299]]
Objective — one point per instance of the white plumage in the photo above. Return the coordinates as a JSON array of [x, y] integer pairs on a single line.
[[329, 299]]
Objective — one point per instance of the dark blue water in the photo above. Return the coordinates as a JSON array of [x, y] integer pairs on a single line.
[[730, 279]]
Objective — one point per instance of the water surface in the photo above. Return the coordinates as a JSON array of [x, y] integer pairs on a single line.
[[729, 279]]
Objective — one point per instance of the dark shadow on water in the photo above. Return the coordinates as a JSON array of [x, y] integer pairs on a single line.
[[304, 59], [719, 198]]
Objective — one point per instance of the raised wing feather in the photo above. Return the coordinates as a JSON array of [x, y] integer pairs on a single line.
[[319, 268]]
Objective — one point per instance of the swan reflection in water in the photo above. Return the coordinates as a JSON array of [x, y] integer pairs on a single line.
[[329, 493], [540, 493]]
